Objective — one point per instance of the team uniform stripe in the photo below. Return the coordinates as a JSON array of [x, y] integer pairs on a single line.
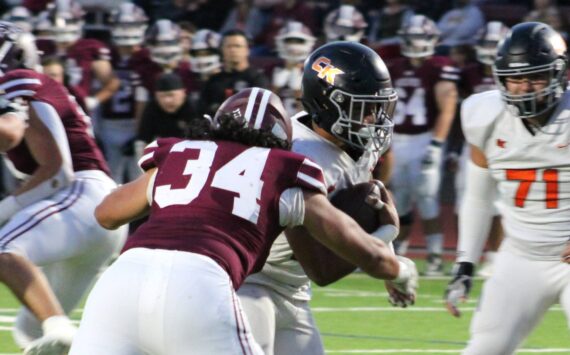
[[58, 207], [23, 81], [19, 93], [250, 104], [262, 109], [145, 161], [238, 326], [311, 181]]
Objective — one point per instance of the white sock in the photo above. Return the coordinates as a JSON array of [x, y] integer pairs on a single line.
[[55, 322], [435, 243]]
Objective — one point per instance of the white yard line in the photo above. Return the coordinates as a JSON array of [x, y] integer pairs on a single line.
[[434, 351], [397, 309]]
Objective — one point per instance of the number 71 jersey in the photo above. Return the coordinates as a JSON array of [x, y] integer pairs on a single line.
[[532, 171], [222, 199]]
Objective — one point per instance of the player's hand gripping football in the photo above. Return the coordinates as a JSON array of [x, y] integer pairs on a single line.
[[402, 291], [458, 288], [381, 200]]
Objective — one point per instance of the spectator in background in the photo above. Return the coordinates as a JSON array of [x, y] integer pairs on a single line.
[[117, 127], [294, 43], [283, 12], [205, 60], [236, 72], [459, 25], [187, 31], [168, 115], [345, 23], [546, 11], [385, 23], [245, 16]]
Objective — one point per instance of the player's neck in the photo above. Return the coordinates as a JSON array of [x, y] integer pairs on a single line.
[[326, 135]]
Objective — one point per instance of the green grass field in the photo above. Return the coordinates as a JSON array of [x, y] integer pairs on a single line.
[[355, 318]]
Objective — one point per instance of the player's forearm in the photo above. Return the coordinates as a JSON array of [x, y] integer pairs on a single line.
[[446, 97], [476, 214], [108, 90]]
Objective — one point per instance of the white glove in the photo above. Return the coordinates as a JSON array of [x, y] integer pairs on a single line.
[[431, 169], [402, 291], [92, 103], [459, 287]]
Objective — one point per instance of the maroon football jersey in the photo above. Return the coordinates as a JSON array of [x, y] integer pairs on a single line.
[[62, 115], [220, 199], [79, 58], [122, 104], [417, 110], [475, 79]]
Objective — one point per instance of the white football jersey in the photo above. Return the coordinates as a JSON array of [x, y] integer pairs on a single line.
[[532, 171], [281, 272]]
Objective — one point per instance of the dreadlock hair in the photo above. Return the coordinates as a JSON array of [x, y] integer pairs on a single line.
[[225, 127]]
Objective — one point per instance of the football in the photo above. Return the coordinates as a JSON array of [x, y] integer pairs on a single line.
[[351, 201]]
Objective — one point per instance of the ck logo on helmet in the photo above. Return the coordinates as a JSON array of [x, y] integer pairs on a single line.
[[325, 70]]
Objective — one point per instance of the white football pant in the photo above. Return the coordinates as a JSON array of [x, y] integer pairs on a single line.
[[60, 234], [280, 325], [114, 135], [407, 184], [163, 302], [514, 300]]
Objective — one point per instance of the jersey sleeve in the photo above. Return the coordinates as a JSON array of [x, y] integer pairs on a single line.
[[478, 113], [148, 161], [310, 176], [20, 84], [101, 52]]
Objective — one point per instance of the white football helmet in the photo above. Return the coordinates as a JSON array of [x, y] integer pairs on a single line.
[[19, 16], [418, 36], [345, 24], [294, 42], [205, 52], [488, 41], [128, 25], [65, 20], [163, 40]]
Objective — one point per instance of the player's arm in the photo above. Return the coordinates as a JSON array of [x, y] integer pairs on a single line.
[[383, 170], [54, 170], [12, 128], [446, 100], [126, 203], [110, 83], [341, 234], [12, 125], [475, 218]]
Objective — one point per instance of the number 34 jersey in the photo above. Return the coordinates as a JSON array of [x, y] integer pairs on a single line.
[[224, 200], [532, 171]]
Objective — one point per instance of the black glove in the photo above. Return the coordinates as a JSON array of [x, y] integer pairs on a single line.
[[459, 287]]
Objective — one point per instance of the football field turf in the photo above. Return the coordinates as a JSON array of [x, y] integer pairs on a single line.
[[355, 318]]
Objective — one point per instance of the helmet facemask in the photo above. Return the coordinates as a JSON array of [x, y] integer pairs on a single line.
[[532, 104], [418, 45], [128, 34], [364, 121]]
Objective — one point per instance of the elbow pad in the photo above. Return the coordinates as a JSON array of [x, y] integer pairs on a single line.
[[476, 213]]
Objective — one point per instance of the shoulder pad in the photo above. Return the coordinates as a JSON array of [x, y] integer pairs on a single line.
[[478, 115]]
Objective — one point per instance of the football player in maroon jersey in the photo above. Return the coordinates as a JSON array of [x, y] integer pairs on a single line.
[[427, 99], [215, 203], [86, 60], [120, 116], [48, 220]]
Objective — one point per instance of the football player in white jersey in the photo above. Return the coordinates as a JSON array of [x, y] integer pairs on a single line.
[[519, 137], [349, 100]]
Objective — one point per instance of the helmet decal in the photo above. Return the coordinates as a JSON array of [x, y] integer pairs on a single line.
[[326, 70]]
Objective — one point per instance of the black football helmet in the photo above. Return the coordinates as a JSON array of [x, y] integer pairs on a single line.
[[348, 92], [532, 50], [17, 48]]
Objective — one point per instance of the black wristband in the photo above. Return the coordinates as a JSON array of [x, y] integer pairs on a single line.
[[465, 268], [436, 143]]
